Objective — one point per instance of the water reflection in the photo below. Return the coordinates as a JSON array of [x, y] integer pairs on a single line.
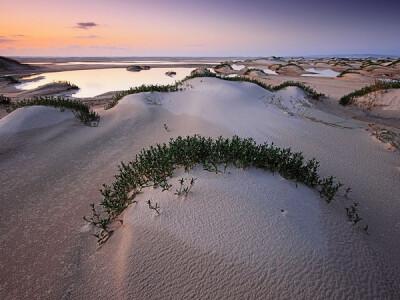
[[237, 67], [269, 71], [127, 62], [321, 73], [96, 82]]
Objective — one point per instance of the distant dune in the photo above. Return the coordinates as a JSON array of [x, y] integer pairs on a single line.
[[8, 64]]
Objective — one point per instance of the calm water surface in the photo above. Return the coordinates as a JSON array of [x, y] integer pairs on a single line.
[[95, 82], [321, 73]]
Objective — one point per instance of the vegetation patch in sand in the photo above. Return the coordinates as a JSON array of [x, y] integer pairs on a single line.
[[350, 71], [153, 167], [82, 111], [248, 71], [4, 100], [176, 87], [70, 85], [394, 64], [223, 65], [141, 89], [385, 135], [11, 79], [377, 86]]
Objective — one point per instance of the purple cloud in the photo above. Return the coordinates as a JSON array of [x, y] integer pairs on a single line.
[[86, 25], [4, 39]]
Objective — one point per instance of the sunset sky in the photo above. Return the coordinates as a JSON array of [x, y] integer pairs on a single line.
[[198, 28]]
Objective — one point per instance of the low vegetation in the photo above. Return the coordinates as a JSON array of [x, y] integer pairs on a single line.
[[308, 90], [350, 71], [71, 86], [5, 100], [82, 111], [176, 87], [11, 79], [377, 86], [352, 213], [255, 70], [154, 166], [393, 64], [385, 136], [141, 89], [223, 65], [289, 65]]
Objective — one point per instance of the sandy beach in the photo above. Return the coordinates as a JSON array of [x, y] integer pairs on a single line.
[[239, 234]]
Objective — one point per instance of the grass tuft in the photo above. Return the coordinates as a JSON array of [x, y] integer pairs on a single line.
[[176, 87], [82, 111], [71, 86], [379, 85], [153, 166], [4, 100]]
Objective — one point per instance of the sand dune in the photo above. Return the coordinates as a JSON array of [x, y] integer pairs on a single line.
[[241, 234], [31, 118], [386, 100]]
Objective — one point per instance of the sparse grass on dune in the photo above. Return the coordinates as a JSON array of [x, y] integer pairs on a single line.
[[175, 87], [141, 89], [82, 111], [154, 166], [255, 70], [11, 79], [309, 91], [349, 71], [377, 86], [70, 85], [222, 65], [4, 100], [288, 65], [393, 64]]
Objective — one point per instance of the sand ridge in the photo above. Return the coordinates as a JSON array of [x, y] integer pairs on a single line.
[[231, 226]]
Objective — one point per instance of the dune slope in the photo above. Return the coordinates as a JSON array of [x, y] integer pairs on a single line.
[[244, 233]]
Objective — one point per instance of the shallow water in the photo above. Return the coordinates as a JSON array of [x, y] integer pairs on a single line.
[[269, 71], [266, 70], [237, 67], [230, 75], [95, 82], [321, 73], [138, 62]]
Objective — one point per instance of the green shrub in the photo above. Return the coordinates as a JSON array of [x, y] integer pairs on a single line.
[[222, 65], [347, 72], [175, 87], [5, 100], [12, 79], [377, 86], [82, 111], [141, 89], [153, 167], [71, 86], [255, 70], [393, 64]]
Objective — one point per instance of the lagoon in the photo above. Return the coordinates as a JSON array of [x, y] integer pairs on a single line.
[[95, 82]]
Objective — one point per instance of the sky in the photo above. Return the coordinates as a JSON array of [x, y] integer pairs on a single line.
[[199, 28]]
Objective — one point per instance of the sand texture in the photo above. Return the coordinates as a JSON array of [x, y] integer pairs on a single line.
[[242, 234]]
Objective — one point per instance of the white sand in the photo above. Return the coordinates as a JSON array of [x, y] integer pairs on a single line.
[[33, 117], [229, 238]]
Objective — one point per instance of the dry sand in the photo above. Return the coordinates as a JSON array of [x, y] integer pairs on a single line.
[[242, 234], [363, 72]]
